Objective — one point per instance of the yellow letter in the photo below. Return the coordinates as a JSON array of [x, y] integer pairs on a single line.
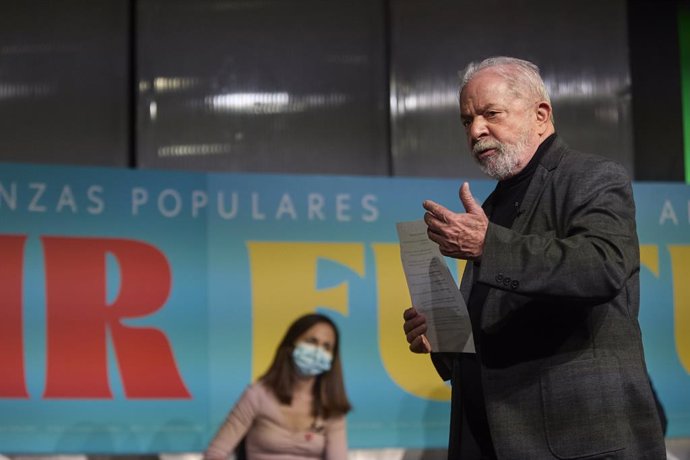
[[284, 287], [412, 372], [649, 257], [461, 268], [680, 265]]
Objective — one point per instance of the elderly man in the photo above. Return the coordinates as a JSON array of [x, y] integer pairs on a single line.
[[551, 285]]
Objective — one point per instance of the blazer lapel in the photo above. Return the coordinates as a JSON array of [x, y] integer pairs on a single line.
[[536, 187]]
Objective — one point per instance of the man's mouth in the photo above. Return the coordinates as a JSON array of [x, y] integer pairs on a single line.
[[484, 149], [484, 153]]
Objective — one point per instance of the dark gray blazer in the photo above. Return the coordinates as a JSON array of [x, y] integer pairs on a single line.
[[558, 341]]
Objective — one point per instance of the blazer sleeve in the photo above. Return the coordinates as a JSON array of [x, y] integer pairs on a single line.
[[578, 241], [443, 362]]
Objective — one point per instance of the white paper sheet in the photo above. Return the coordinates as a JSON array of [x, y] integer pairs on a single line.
[[433, 290]]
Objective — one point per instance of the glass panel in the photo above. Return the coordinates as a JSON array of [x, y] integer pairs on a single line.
[[270, 86], [63, 82]]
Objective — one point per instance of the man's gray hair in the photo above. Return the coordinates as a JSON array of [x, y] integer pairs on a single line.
[[522, 76]]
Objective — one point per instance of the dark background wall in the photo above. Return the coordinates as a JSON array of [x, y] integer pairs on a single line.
[[655, 71], [340, 87]]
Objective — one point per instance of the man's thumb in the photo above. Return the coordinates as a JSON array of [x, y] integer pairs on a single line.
[[468, 201]]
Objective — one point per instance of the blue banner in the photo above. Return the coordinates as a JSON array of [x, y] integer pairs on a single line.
[[135, 306]]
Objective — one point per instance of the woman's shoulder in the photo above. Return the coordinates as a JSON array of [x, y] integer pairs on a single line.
[[257, 389], [257, 397]]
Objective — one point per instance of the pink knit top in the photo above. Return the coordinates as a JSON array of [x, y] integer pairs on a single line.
[[257, 417]]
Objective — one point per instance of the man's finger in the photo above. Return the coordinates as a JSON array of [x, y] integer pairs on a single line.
[[431, 219], [415, 326], [409, 313], [436, 210], [416, 333], [420, 345], [436, 238], [468, 201]]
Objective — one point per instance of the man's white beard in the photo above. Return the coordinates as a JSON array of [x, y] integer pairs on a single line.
[[504, 162]]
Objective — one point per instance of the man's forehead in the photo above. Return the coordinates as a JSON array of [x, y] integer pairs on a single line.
[[484, 90]]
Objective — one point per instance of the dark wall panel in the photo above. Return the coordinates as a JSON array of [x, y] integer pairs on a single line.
[[655, 71], [303, 85], [271, 86], [64, 94]]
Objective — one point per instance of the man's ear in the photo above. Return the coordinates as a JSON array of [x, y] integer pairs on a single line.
[[543, 115]]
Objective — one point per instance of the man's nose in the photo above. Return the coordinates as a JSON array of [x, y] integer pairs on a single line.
[[478, 128]]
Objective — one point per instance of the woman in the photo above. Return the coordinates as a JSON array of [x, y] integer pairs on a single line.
[[297, 409]]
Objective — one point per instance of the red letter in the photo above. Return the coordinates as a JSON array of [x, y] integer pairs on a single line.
[[12, 384], [78, 318]]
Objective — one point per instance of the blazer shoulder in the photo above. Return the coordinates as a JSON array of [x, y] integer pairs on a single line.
[[574, 162]]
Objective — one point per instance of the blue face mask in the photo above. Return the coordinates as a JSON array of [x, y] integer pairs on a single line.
[[310, 359]]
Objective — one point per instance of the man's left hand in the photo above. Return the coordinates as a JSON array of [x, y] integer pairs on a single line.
[[458, 235]]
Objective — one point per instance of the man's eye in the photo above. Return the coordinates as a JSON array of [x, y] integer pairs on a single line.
[[466, 123], [490, 114]]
